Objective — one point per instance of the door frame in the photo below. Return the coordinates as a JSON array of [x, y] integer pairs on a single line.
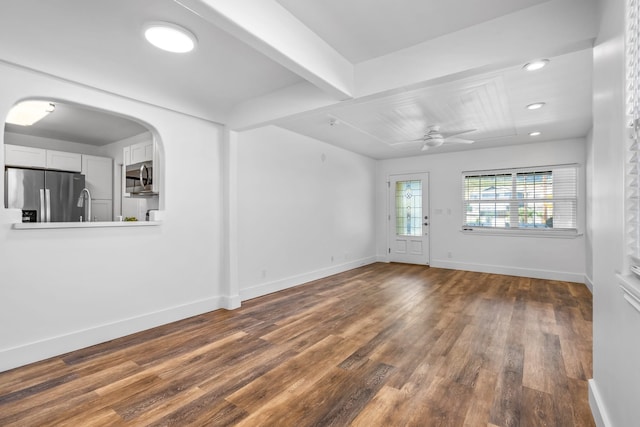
[[391, 200]]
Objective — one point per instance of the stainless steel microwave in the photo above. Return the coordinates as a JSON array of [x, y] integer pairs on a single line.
[[139, 179]]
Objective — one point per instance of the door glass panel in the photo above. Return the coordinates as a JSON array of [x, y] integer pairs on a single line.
[[409, 208]]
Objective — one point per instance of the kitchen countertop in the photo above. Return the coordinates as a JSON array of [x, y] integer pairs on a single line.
[[96, 224]]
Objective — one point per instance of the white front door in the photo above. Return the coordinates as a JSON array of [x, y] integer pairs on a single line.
[[409, 218]]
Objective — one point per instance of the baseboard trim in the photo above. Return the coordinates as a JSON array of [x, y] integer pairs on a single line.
[[598, 409], [289, 282], [589, 283], [54, 346], [511, 271], [231, 302]]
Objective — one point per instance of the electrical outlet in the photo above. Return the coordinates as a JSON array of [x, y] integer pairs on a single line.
[[449, 254]]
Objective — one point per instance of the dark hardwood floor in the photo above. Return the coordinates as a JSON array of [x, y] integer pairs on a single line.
[[382, 345]]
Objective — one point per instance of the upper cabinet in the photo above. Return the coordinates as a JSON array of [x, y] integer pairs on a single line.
[[98, 172], [64, 161], [142, 152], [15, 155]]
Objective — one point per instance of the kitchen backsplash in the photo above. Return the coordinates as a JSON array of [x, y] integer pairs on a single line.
[[138, 206]]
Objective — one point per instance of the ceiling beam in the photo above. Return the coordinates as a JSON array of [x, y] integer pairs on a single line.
[[270, 29], [549, 29]]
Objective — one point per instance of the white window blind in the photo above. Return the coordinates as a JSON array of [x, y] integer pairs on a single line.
[[536, 200], [632, 196]]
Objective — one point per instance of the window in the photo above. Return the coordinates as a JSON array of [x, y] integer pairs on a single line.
[[530, 200], [409, 208]]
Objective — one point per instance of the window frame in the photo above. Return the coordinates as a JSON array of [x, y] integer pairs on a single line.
[[632, 162], [514, 213]]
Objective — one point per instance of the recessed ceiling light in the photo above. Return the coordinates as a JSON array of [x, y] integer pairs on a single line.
[[535, 106], [535, 133], [27, 113], [536, 65], [170, 37]]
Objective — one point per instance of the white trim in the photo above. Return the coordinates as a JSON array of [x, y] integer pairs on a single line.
[[519, 232], [35, 351], [522, 169], [563, 276], [289, 282], [513, 200], [230, 302], [96, 224], [589, 283], [391, 201], [598, 410], [630, 286]]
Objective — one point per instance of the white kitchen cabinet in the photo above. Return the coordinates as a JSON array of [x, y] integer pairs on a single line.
[[126, 155], [101, 210], [142, 152], [29, 157], [61, 160], [98, 172], [16, 155]]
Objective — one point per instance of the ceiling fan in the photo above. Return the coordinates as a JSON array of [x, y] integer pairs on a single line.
[[434, 138]]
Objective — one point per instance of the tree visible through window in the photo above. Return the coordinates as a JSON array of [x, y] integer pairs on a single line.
[[522, 199]]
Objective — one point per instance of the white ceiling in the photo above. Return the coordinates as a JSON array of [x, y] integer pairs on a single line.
[[362, 29], [385, 70], [80, 124]]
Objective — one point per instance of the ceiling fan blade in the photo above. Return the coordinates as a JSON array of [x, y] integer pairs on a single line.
[[407, 141], [457, 132], [458, 141]]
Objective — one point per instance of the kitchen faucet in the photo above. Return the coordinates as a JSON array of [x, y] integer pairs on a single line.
[[81, 202]]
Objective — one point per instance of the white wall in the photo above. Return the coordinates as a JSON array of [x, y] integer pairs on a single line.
[[305, 210], [615, 388], [552, 258], [64, 289]]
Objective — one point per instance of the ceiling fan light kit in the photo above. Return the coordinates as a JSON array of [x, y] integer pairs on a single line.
[[433, 138]]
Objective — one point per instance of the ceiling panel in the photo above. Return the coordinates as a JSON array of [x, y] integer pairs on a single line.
[[361, 30], [493, 104], [100, 43], [479, 104], [81, 124]]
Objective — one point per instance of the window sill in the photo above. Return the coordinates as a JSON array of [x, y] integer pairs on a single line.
[[96, 224], [523, 233], [630, 286]]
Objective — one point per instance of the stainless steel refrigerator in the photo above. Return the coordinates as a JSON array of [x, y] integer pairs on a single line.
[[44, 195]]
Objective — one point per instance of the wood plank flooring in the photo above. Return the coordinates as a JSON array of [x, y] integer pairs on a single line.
[[382, 345]]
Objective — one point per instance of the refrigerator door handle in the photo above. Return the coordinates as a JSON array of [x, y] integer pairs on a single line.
[[48, 205], [42, 210]]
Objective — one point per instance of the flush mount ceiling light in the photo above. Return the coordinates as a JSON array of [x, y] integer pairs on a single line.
[[27, 113], [535, 106], [170, 37], [536, 65], [535, 133]]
